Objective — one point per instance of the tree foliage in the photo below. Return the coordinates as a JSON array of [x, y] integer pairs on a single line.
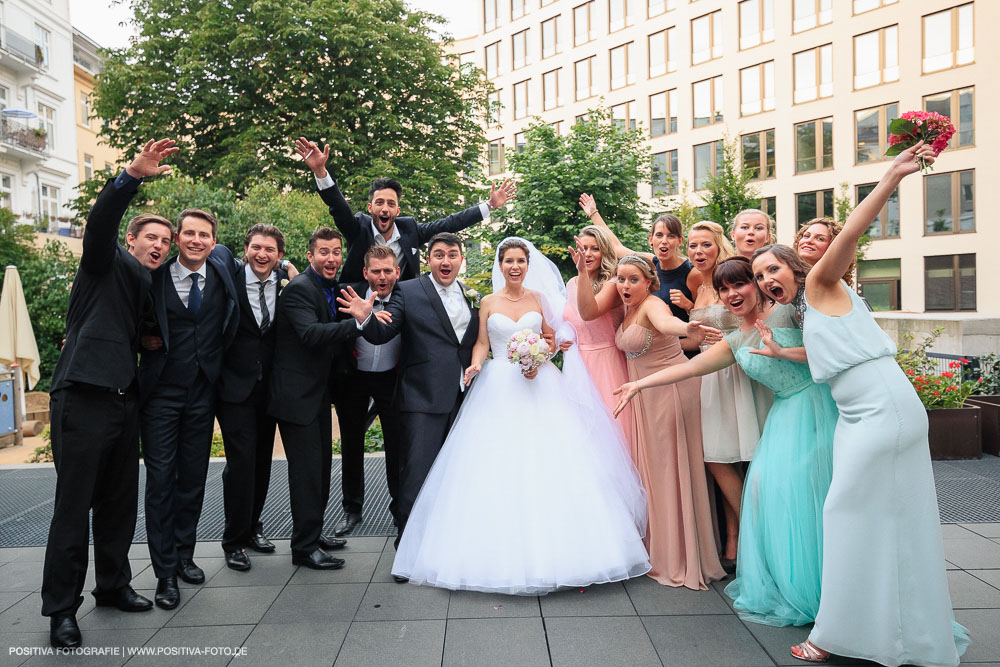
[[235, 82], [596, 156], [729, 191]]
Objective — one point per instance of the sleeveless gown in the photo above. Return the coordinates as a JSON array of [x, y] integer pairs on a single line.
[[533, 489], [780, 562], [604, 361], [733, 408], [885, 594], [666, 448]]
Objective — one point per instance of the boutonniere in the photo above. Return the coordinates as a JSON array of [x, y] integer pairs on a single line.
[[472, 296], [282, 284]]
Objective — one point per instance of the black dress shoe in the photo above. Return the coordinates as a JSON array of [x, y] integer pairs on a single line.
[[260, 543], [167, 594], [400, 580], [348, 523], [319, 560], [729, 565], [331, 543], [189, 572], [125, 599], [237, 560], [64, 632]]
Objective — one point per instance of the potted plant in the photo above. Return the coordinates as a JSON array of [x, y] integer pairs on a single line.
[[987, 397], [954, 430]]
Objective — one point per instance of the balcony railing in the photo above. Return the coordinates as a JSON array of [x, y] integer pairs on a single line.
[[21, 134], [22, 47]]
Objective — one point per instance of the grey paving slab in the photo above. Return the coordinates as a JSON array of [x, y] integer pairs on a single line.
[[15, 646], [652, 598], [969, 592], [23, 554], [470, 604], [25, 576], [316, 603], [383, 571], [495, 642], [706, 641], [10, 598], [263, 572], [604, 641], [398, 602], [599, 600], [991, 530], [777, 643], [975, 553], [26, 615], [358, 568], [109, 618], [226, 606], [380, 643], [950, 531], [992, 577], [982, 625], [367, 544], [113, 646], [293, 645], [207, 638]]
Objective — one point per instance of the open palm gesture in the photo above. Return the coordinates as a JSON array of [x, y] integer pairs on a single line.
[[147, 162]]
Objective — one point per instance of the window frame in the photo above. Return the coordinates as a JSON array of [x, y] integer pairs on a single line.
[[954, 26], [882, 80], [514, 97], [629, 51], [715, 146], [668, 107], [668, 6], [631, 121], [762, 97], [956, 268], [883, 214], [818, 66], [821, 211], [500, 157], [881, 4], [818, 125], [955, 112], [496, 59], [669, 64], [545, 101], [590, 23], [627, 19], [883, 132], [486, 15], [895, 283], [555, 35], [761, 31], [523, 35], [817, 12], [956, 202], [712, 103], [670, 187], [763, 166], [590, 78], [712, 17]]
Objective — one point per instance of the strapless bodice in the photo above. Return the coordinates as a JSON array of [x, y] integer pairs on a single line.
[[501, 327]]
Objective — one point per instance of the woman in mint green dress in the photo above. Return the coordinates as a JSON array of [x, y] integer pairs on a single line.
[[779, 565], [885, 594]]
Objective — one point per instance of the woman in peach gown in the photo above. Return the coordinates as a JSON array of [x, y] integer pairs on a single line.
[[596, 338], [666, 440]]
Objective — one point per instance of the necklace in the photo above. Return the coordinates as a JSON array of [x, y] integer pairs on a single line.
[[504, 295]]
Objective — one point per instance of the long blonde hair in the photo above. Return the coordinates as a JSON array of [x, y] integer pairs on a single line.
[[726, 249], [609, 263]]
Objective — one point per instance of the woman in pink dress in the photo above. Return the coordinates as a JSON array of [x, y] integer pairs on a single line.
[[596, 338]]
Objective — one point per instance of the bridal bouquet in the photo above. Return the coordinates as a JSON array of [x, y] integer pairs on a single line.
[[913, 126], [528, 349]]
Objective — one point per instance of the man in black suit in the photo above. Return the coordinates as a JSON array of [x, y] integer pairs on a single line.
[[196, 315], [247, 428], [369, 373], [404, 235], [439, 321], [306, 340], [95, 416]]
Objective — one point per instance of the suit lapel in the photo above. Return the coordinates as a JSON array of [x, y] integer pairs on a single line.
[[473, 316], [160, 301], [438, 306]]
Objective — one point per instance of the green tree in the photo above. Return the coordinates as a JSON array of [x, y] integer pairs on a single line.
[[729, 191], [842, 206], [686, 210], [235, 82], [596, 156]]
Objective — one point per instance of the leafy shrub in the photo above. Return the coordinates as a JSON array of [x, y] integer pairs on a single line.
[[374, 440]]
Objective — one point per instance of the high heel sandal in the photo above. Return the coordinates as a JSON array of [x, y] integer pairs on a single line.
[[809, 652]]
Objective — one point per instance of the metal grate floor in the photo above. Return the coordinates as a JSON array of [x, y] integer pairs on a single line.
[[968, 492]]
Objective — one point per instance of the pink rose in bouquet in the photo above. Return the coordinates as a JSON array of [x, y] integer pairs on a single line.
[[527, 349], [911, 127]]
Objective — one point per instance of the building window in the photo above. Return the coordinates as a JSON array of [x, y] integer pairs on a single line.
[[948, 39], [492, 59], [665, 173], [663, 113], [660, 49], [809, 205], [623, 115], [813, 73], [756, 23], [50, 202], [85, 109], [584, 73], [706, 37], [550, 37], [493, 109], [876, 57], [516, 9], [814, 145], [862, 6], [520, 99], [707, 96], [770, 206], [47, 122], [519, 49], [886, 223], [491, 18], [4, 93], [808, 14], [6, 191], [950, 282], [657, 7], [42, 40], [947, 198], [581, 24], [871, 131], [757, 88], [878, 282], [550, 90], [88, 167], [496, 157], [619, 14], [956, 105], [519, 142], [622, 60], [707, 158], [758, 154]]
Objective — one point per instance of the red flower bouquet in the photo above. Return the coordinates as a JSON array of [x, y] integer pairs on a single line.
[[914, 126]]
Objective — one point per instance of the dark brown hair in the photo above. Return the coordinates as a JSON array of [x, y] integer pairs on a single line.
[[264, 229], [201, 214], [788, 257], [732, 271], [136, 224], [325, 234], [446, 238], [380, 252], [513, 243]]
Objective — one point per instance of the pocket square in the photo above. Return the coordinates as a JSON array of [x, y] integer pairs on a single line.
[[413, 251]]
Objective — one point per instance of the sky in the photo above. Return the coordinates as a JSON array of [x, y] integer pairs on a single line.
[[100, 19]]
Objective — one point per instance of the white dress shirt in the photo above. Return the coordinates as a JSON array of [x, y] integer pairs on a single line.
[[181, 276], [377, 358], [253, 294], [454, 302]]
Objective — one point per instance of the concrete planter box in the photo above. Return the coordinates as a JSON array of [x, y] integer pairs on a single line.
[[989, 407], [955, 433]]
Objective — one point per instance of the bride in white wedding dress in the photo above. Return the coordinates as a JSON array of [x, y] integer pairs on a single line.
[[533, 489]]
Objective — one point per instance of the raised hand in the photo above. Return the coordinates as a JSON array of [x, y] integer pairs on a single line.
[[588, 205], [503, 194], [147, 162], [627, 392], [314, 158], [471, 372], [771, 348], [578, 259], [913, 159], [678, 299], [354, 305]]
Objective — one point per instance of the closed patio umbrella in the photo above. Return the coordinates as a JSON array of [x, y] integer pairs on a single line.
[[17, 340]]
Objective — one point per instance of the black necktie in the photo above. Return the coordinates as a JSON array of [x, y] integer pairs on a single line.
[[265, 317], [194, 297]]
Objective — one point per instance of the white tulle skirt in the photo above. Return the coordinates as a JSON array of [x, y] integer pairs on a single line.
[[532, 491]]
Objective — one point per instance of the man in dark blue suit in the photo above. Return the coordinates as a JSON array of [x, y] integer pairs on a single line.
[[196, 317]]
